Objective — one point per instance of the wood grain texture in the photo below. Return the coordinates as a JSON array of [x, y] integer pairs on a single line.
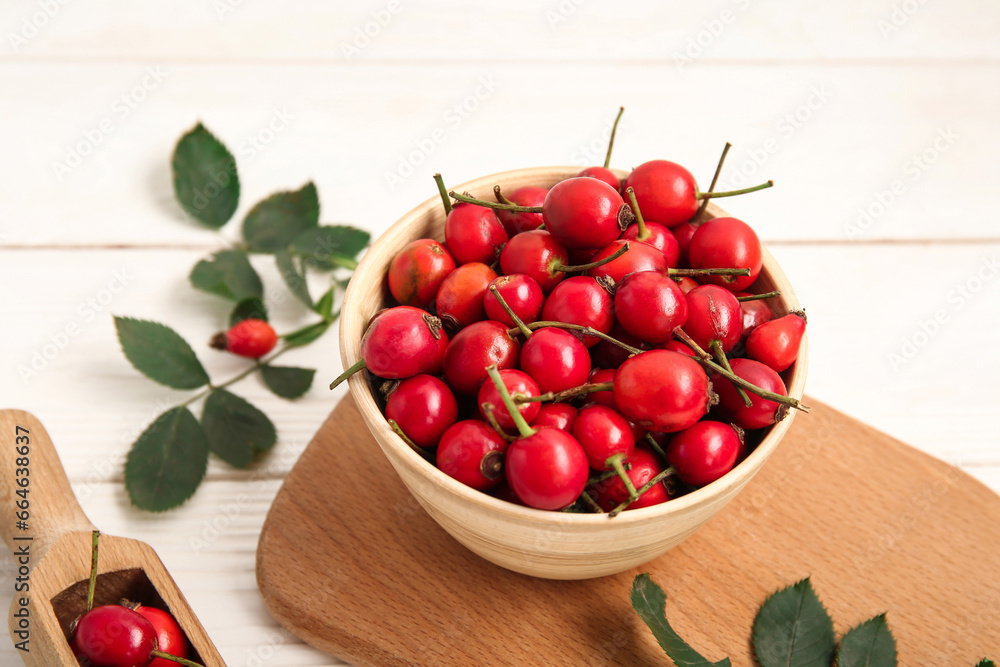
[[357, 569], [59, 554]]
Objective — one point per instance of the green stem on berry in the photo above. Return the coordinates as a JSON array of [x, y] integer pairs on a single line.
[[733, 193], [708, 272], [655, 446], [488, 409], [496, 206], [521, 326], [508, 402], [715, 179], [95, 537], [757, 297], [601, 477], [399, 431], [589, 502], [617, 463], [643, 232], [720, 356], [566, 394], [588, 331], [444, 193], [357, 366], [592, 265], [611, 141], [645, 487], [175, 658], [687, 340], [500, 198]]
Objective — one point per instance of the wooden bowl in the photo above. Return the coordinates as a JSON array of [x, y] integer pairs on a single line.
[[554, 545]]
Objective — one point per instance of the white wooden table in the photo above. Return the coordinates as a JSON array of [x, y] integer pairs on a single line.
[[877, 120]]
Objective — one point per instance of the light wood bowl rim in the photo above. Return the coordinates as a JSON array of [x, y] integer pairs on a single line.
[[353, 323]]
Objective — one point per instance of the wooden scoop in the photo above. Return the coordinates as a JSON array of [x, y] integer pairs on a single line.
[[52, 554]]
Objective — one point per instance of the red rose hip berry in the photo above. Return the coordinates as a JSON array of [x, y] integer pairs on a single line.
[[417, 271], [662, 390], [423, 407], [704, 452]]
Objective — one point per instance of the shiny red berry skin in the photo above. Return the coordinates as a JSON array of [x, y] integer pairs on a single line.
[[517, 383], [602, 432], [556, 359], [665, 191], [424, 407], [515, 223], [686, 283], [713, 314], [460, 298], [169, 636], [660, 238], [662, 390], [472, 452], [704, 452], [762, 412], [650, 305], [585, 213], [251, 338], [602, 174], [473, 349], [584, 301], [776, 343], [115, 636], [677, 346], [473, 234], [755, 313], [600, 376], [402, 342], [643, 466], [547, 470], [535, 253], [725, 243], [683, 233], [638, 257], [521, 293], [417, 271], [556, 415]]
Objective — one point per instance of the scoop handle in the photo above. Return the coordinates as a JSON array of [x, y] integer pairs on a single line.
[[38, 512]]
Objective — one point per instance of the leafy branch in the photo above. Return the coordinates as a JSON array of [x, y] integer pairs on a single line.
[[168, 461]]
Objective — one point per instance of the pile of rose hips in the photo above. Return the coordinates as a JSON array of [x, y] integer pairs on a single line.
[[126, 634], [578, 346]]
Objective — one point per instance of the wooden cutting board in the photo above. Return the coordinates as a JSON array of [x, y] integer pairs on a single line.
[[351, 564]]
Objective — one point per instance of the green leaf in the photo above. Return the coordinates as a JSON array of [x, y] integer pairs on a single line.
[[324, 307], [159, 353], [792, 629], [229, 274], [293, 276], [248, 309], [236, 430], [986, 662], [275, 222], [306, 334], [871, 644], [205, 178], [167, 462], [287, 381], [331, 246], [649, 601]]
